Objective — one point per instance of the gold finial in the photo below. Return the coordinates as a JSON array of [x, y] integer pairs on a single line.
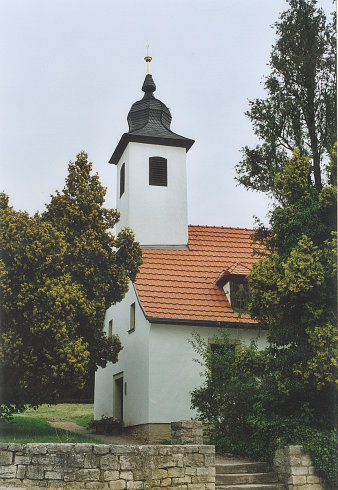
[[148, 60]]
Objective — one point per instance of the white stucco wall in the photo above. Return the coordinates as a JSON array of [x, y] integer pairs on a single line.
[[158, 366], [133, 362], [122, 203], [172, 372], [156, 214], [103, 392]]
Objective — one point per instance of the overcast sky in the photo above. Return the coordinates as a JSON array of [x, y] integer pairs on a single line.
[[71, 69]]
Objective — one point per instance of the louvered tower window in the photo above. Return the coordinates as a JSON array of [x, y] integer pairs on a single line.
[[158, 171], [122, 179]]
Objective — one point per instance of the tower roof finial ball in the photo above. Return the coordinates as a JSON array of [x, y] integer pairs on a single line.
[[148, 59]]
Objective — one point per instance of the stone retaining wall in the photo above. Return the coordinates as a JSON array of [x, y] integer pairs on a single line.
[[295, 469], [107, 466], [187, 432], [149, 433]]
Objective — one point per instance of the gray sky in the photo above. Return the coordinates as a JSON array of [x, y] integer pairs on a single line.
[[71, 69]]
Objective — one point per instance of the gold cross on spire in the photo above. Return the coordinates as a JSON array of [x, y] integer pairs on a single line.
[[148, 60]]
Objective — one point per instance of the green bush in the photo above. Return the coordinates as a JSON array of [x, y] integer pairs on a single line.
[[322, 445], [246, 413]]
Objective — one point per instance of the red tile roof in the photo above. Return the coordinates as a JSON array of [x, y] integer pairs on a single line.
[[179, 284]]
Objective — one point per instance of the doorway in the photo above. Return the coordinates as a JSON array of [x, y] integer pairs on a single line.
[[118, 396]]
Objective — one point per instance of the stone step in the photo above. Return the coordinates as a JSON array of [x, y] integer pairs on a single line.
[[252, 486], [245, 478], [242, 467]]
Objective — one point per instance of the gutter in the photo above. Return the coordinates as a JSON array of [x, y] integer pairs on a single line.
[[203, 323]]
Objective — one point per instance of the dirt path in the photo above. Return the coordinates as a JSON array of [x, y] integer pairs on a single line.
[[78, 429]]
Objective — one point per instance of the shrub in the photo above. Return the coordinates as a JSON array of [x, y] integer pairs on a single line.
[[105, 424], [322, 445], [246, 413]]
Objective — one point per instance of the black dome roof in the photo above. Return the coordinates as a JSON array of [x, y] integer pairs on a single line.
[[148, 110], [149, 122]]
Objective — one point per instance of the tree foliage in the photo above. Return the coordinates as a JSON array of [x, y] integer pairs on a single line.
[[293, 290], [286, 393], [94, 258], [247, 415], [299, 111], [59, 272]]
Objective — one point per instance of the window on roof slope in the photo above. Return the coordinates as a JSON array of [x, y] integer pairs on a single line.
[[239, 294], [158, 174], [122, 179]]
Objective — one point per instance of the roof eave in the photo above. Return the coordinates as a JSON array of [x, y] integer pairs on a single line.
[[154, 140], [206, 323], [225, 276]]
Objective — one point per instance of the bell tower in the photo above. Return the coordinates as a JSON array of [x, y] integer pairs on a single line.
[[151, 174]]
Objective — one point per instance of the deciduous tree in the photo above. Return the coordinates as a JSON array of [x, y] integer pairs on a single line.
[[291, 384], [293, 290], [300, 109]]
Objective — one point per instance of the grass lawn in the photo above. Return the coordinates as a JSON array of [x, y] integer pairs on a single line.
[[33, 426], [79, 413]]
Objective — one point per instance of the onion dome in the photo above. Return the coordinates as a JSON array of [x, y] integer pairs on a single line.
[[149, 122], [149, 110]]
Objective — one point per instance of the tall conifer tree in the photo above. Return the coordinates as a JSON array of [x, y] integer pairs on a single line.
[[60, 271]]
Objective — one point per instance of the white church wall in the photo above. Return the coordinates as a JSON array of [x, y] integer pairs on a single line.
[[156, 214], [172, 372], [122, 202], [103, 392], [133, 363]]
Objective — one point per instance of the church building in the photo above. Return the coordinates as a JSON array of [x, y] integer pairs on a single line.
[[191, 280]]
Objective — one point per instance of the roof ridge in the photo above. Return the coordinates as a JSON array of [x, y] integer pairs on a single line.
[[222, 227]]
